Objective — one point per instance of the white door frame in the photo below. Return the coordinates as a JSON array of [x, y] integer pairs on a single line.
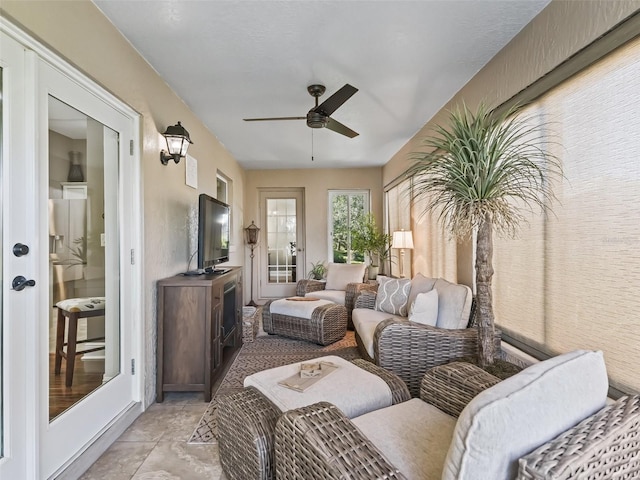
[[265, 289], [27, 449], [19, 390]]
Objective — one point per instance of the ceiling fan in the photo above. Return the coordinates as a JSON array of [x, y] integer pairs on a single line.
[[319, 116]]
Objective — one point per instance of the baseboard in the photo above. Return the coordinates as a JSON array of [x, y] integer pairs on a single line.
[[81, 462]]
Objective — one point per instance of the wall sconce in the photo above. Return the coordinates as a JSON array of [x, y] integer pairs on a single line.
[[178, 142], [251, 238], [402, 239]]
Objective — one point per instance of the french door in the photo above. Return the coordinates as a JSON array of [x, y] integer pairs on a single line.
[[282, 251], [67, 173]]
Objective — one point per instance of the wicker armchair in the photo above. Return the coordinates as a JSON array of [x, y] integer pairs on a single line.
[[318, 442], [409, 349]]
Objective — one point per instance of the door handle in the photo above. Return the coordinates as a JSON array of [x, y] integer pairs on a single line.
[[20, 249], [19, 283]]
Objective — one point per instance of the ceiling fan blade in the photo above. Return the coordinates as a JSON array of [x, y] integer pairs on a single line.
[[332, 103], [340, 128], [273, 118]]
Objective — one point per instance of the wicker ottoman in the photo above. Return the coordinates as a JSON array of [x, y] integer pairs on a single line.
[[247, 420], [318, 321]]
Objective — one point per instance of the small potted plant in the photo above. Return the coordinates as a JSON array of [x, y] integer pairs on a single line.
[[318, 271], [366, 238]]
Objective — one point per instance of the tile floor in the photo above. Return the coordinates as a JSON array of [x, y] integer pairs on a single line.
[[155, 446]]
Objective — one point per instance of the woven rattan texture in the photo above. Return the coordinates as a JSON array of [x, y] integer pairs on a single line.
[[319, 442], [603, 446], [351, 293], [409, 349], [247, 423], [265, 352], [327, 325], [249, 419], [452, 386]]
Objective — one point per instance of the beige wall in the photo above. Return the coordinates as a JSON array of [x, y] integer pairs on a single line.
[[559, 31], [79, 32], [316, 184]]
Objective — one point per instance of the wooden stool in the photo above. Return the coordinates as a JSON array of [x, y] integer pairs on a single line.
[[74, 309]]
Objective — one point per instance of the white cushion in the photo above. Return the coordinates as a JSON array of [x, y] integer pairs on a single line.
[[413, 436], [454, 304], [350, 388], [339, 275], [425, 308], [335, 296], [393, 295], [420, 284], [365, 322], [297, 309], [82, 304], [519, 414]]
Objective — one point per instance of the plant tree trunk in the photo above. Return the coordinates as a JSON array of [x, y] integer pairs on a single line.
[[484, 301]]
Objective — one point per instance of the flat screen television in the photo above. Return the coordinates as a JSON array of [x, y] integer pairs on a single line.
[[213, 232]]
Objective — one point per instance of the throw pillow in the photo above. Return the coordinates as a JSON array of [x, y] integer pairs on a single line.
[[454, 304], [339, 275], [519, 414], [420, 284], [425, 308], [393, 294]]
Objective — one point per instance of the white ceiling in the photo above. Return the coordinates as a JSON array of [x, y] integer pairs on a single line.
[[230, 60]]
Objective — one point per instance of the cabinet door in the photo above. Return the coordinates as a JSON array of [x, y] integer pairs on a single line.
[[216, 327]]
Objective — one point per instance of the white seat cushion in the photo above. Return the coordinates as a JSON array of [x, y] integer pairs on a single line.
[[339, 275], [365, 322], [414, 436], [350, 388], [335, 296], [519, 414]]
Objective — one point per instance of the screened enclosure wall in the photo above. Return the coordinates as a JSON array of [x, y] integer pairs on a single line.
[[571, 279]]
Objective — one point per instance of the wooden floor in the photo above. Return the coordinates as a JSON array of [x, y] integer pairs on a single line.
[[61, 397]]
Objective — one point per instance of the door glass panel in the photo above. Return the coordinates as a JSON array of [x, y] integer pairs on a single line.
[[83, 256], [281, 240]]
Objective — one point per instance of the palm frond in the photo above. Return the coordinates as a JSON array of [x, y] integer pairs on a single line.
[[485, 166]]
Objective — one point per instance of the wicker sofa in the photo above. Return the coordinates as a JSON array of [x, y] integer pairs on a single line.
[[387, 336], [343, 284], [547, 422]]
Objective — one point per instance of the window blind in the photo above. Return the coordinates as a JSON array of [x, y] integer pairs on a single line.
[[571, 280]]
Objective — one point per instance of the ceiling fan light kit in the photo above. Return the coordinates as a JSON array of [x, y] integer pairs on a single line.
[[320, 115]]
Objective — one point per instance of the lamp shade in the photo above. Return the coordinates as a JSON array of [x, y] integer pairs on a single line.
[[402, 239], [251, 234]]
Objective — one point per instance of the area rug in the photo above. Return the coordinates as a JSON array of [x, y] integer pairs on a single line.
[[263, 353]]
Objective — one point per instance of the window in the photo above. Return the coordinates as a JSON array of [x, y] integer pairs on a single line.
[[571, 279], [434, 253], [222, 188], [345, 207]]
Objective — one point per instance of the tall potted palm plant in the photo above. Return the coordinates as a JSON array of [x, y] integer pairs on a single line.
[[478, 174]]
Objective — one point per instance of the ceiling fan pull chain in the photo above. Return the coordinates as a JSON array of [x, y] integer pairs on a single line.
[[312, 145]]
